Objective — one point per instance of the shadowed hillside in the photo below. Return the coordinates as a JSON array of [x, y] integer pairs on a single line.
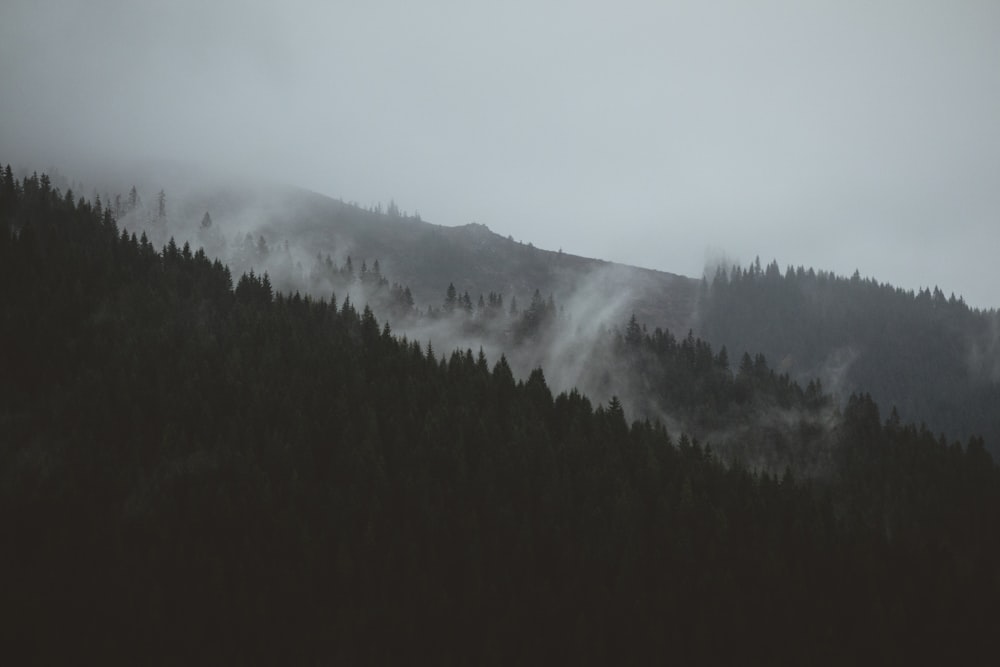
[[931, 356], [195, 471]]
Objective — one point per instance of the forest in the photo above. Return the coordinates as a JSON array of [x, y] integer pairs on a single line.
[[197, 467], [931, 356], [924, 352]]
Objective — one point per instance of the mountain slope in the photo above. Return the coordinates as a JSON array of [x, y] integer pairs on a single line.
[[422, 256], [428, 257], [197, 472], [932, 357]]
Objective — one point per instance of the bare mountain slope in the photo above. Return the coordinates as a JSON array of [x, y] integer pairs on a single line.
[[428, 257], [423, 256]]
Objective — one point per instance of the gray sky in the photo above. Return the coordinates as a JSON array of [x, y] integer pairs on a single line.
[[837, 134]]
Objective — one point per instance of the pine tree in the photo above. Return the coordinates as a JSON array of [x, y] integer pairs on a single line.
[[450, 298], [633, 332]]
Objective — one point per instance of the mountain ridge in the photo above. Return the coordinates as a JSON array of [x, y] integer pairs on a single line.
[[423, 255], [194, 469], [756, 315]]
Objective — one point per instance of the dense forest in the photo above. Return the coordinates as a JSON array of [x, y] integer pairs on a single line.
[[926, 353], [931, 356], [197, 468]]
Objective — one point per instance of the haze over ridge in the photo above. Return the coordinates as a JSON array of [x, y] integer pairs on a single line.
[[837, 136]]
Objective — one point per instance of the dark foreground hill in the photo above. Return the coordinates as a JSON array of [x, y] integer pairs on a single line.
[[195, 472]]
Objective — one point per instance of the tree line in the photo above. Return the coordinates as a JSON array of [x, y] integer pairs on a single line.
[[196, 469], [930, 355]]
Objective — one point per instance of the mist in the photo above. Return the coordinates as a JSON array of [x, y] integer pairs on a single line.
[[257, 474], [671, 138], [837, 136]]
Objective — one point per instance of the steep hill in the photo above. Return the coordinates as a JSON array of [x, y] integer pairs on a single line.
[[929, 355], [427, 257], [423, 256], [932, 357], [194, 472]]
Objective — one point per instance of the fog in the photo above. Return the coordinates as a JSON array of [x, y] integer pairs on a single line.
[[575, 338], [838, 135]]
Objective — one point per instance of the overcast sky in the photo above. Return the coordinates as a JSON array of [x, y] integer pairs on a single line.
[[838, 135]]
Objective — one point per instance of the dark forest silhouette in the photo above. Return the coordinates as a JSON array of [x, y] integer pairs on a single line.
[[196, 470]]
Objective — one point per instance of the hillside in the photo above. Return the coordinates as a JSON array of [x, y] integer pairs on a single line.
[[198, 468], [428, 257], [930, 356], [423, 256]]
